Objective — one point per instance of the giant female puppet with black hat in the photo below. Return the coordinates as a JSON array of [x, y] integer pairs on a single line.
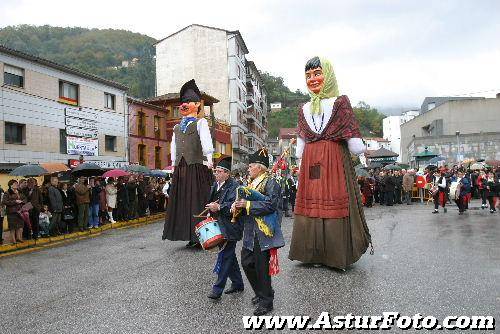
[[192, 179], [330, 227]]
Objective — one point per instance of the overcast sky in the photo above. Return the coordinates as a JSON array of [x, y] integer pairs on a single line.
[[386, 53]]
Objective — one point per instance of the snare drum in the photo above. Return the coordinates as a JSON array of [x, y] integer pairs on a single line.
[[209, 233]]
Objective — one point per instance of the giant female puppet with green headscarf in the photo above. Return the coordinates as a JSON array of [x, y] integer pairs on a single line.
[[329, 226]]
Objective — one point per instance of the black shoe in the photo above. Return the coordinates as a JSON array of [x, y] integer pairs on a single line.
[[262, 310], [213, 296], [233, 290], [255, 300], [435, 211]]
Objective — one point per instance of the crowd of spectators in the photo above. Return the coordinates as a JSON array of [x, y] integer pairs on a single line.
[[57, 208], [444, 185]]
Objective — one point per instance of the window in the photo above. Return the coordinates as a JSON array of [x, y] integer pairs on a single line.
[[63, 145], [157, 157], [239, 93], [109, 101], [431, 106], [141, 124], [141, 150], [15, 133], [13, 76], [239, 72], [176, 113], [157, 127], [68, 93], [110, 143]]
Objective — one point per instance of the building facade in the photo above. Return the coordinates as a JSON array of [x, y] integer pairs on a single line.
[[216, 59], [220, 130], [392, 129], [456, 129], [148, 142], [54, 113], [374, 143]]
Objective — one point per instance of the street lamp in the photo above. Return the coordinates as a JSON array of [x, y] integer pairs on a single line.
[[458, 145]]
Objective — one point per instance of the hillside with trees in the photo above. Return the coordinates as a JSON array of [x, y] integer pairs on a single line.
[[370, 120], [101, 52], [97, 51]]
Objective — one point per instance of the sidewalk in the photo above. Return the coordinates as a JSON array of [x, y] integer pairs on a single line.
[[32, 245]]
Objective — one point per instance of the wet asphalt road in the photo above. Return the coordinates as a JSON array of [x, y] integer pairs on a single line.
[[129, 281]]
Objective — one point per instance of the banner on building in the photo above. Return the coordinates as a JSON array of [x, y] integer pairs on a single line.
[[82, 146]]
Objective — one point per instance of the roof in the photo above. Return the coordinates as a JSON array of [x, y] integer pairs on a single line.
[[376, 139], [439, 100], [380, 153], [64, 68], [131, 100], [288, 133], [175, 97], [251, 64], [425, 154], [236, 32]]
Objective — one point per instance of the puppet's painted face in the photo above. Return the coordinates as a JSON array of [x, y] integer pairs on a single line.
[[189, 108], [315, 79]]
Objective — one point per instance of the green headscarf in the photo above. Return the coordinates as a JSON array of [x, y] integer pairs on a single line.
[[329, 89]]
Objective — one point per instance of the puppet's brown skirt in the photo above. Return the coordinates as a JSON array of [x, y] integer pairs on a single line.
[[335, 242]]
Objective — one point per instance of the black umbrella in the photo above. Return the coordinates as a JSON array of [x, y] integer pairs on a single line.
[[393, 167], [29, 171], [362, 172], [87, 169], [137, 169], [431, 167], [375, 165]]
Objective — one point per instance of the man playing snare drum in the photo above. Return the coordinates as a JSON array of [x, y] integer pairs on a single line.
[[222, 196]]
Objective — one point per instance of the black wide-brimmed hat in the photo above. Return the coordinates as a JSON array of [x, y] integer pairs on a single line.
[[225, 163], [260, 157], [190, 92]]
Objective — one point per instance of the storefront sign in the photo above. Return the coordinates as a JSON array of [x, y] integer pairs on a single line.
[[110, 164], [79, 132], [385, 159], [83, 146], [84, 114], [81, 123]]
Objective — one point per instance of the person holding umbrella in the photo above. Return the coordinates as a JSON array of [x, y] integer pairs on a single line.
[[55, 206], [82, 192], [13, 203], [111, 194]]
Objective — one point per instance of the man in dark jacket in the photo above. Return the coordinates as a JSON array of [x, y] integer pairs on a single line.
[[142, 203], [390, 186], [222, 196], [55, 206], [132, 198], [122, 202], [259, 253], [35, 198], [398, 187]]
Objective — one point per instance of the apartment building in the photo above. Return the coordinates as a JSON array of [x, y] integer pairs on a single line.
[[54, 113], [216, 59]]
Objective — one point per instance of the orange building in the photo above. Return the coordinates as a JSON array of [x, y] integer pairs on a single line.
[[148, 141], [221, 132]]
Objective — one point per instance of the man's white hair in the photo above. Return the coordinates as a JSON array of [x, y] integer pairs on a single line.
[[261, 166]]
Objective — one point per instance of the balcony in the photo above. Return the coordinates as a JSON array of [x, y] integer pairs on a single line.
[[251, 114]]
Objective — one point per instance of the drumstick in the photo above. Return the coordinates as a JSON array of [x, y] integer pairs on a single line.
[[200, 215]]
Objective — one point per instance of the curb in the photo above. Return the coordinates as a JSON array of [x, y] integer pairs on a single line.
[[32, 245]]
